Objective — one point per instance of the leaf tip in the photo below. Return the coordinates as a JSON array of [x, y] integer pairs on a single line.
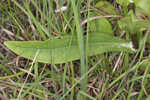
[[9, 44], [6, 43]]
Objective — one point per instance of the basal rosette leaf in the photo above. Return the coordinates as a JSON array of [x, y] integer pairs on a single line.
[[144, 5], [107, 7], [56, 51], [101, 25]]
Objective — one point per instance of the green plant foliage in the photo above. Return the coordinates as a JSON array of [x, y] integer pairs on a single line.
[[66, 49], [145, 64], [148, 98], [135, 21], [124, 2], [107, 7], [144, 5], [133, 24], [101, 25]]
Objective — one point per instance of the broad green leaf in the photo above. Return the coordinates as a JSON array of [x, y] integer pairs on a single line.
[[101, 25], [107, 7], [144, 5], [148, 97], [55, 51]]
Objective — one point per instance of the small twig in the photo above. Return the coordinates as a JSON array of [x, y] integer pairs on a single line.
[[2, 97], [26, 71], [36, 54], [11, 34], [1, 45], [98, 17], [8, 32], [144, 78], [117, 62]]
